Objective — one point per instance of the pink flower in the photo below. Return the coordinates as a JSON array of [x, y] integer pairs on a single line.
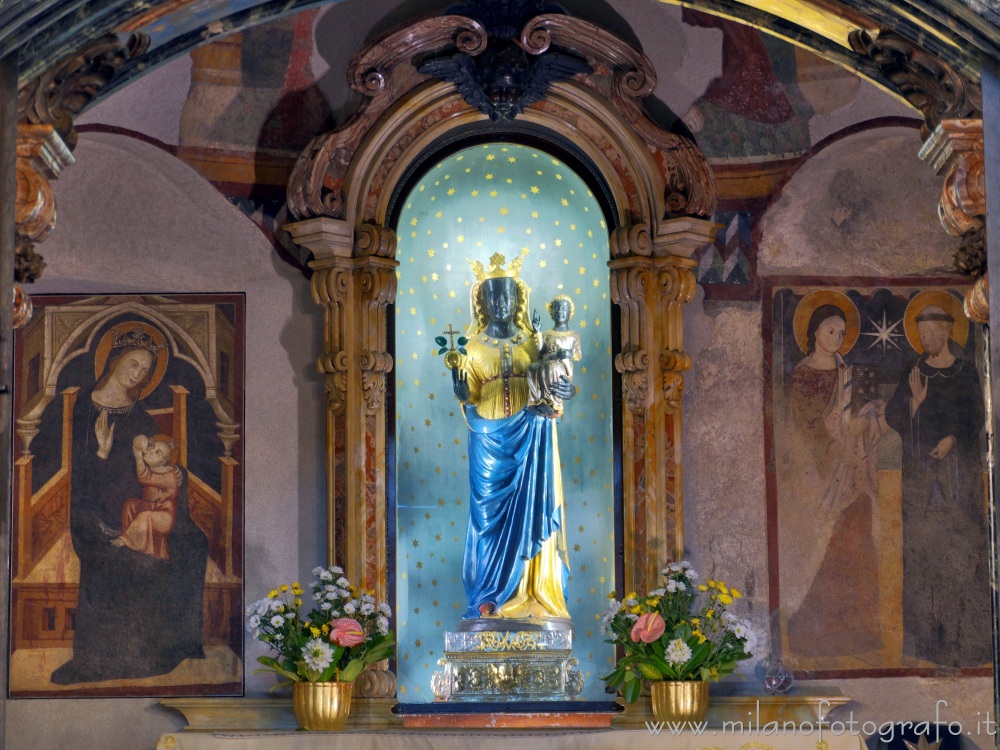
[[347, 632], [648, 628]]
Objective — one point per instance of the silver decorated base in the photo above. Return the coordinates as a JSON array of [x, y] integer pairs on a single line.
[[496, 659]]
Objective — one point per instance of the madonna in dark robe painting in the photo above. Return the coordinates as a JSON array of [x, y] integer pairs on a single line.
[[138, 615]]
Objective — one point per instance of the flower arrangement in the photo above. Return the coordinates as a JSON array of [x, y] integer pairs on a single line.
[[680, 631], [343, 632]]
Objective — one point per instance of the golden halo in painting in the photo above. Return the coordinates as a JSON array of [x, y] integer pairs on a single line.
[[947, 302], [813, 301], [104, 350]]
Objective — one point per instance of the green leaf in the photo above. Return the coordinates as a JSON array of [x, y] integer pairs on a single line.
[[462, 341], [632, 690], [461, 350], [441, 341], [354, 668], [649, 671], [442, 350]]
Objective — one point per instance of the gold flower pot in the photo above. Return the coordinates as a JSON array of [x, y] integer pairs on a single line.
[[685, 700], [322, 706]]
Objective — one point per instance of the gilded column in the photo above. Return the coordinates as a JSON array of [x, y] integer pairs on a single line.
[[651, 281], [354, 281]]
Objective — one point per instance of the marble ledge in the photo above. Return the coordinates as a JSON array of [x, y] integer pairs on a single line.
[[270, 714]]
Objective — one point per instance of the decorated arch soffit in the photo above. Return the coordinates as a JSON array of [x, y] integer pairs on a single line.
[[520, 63]]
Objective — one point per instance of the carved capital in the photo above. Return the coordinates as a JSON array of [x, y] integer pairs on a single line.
[[374, 241], [634, 369], [955, 148], [41, 156], [633, 240], [928, 84], [673, 387]]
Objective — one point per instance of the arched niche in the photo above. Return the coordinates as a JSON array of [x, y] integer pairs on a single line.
[[659, 189]]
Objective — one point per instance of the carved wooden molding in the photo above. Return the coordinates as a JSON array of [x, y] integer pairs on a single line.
[[46, 107], [41, 156], [955, 149], [341, 190], [928, 83], [62, 92], [384, 72]]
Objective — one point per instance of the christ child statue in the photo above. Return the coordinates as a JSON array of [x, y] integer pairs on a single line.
[[148, 520], [559, 349]]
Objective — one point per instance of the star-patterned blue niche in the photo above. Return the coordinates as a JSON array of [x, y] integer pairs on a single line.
[[515, 200]]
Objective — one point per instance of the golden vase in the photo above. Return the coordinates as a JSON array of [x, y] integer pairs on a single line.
[[322, 706], [685, 700]]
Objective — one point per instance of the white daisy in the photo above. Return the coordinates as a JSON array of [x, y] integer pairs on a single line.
[[343, 582], [317, 654], [277, 621], [325, 606], [385, 609], [678, 652], [383, 625], [350, 607], [367, 608]]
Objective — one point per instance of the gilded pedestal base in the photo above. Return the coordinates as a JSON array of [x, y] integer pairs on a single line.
[[508, 664]]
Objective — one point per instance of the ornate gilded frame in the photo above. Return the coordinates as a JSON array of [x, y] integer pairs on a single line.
[[340, 193]]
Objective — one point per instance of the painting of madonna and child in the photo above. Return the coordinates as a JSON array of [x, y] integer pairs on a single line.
[[126, 555], [877, 502]]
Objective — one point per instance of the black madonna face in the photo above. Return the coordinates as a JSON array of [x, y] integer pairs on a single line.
[[560, 312], [500, 299]]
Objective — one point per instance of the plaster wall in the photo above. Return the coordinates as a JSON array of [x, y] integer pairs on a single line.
[[864, 206], [133, 218]]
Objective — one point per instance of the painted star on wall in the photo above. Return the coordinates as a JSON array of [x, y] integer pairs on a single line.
[[883, 334]]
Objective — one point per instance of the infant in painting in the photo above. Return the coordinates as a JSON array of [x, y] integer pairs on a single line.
[[559, 348], [147, 521]]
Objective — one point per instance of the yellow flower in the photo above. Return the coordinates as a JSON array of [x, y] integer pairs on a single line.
[[284, 587], [315, 632], [632, 595], [699, 635], [273, 594], [709, 614], [711, 583], [736, 594], [611, 595], [297, 602], [696, 621], [725, 598], [702, 588], [653, 602], [722, 588], [325, 629]]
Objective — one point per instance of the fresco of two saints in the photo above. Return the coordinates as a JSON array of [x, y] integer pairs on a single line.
[[877, 492], [126, 555]]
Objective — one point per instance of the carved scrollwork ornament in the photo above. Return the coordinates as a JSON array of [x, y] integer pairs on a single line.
[[977, 301], [673, 387], [632, 240], [373, 240], [28, 264], [57, 96], [633, 367], [970, 258], [376, 683], [928, 83], [677, 284]]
